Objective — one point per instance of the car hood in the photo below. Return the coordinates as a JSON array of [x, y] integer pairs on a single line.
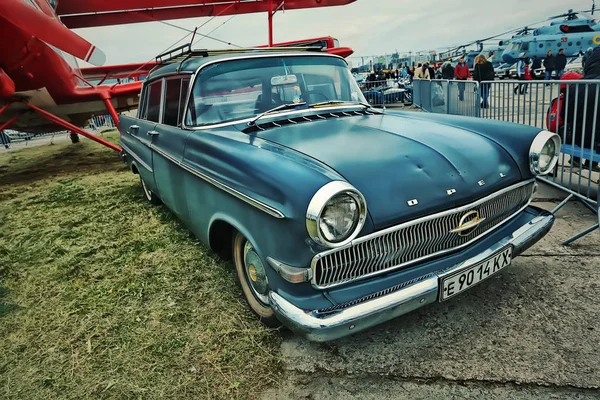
[[405, 168]]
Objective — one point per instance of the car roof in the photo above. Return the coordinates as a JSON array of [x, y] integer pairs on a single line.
[[192, 64]]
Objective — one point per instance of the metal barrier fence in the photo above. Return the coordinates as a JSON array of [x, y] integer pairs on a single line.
[[98, 122], [10, 137], [447, 96], [570, 108]]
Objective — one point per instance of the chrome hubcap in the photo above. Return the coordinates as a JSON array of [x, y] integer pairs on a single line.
[[255, 274]]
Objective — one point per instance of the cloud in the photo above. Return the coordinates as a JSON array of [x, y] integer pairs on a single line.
[[370, 27]]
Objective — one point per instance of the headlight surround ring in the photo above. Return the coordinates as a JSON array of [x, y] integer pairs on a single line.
[[320, 201], [543, 153]]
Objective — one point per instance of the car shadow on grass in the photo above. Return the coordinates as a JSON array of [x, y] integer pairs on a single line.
[[66, 159], [5, 306]]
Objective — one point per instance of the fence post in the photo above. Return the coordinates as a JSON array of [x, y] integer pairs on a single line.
[[447, 82], [476, 100]]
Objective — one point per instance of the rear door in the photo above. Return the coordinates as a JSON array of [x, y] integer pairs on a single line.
[[168, 142], [135, 131]]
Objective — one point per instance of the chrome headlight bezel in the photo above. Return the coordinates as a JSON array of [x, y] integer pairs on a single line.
[[317, 206], [537, 146]]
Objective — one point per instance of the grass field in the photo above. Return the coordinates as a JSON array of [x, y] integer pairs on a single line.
[[105, 296]]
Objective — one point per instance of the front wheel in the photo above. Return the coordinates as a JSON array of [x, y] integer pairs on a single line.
[[148, 194], [253, 279]]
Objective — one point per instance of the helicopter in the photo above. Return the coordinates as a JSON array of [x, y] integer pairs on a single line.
[[575, 33]]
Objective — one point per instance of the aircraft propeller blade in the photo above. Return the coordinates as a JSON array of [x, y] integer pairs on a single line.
[[50, 30]]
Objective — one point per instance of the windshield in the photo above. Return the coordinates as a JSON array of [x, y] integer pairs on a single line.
[[242, 89]]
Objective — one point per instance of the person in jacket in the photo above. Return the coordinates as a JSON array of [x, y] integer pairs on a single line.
[[549, 64], [431, 71], [461, 73], [560, 63], [483, 71], [582, 118], [536, 63], [586, 56], [521, 73], [447, 70], [422, 72]]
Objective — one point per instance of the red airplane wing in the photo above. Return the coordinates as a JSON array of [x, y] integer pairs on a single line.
[[83, 14], [117, 71], [48, 29]]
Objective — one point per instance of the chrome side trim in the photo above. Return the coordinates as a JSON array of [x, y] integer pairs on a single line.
[[352, 317], [377, 234], [136, 158], [253, 202]]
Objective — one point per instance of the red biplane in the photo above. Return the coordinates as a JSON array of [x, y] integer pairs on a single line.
[[42, 86]]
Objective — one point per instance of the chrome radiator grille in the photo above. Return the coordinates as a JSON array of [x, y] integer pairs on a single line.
[[416, 240]]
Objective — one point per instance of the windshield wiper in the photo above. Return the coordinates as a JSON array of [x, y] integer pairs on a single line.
[[272, 110], [332, 102]]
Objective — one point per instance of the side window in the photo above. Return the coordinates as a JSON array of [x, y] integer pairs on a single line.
[[142, 104], [172, 100], [153, 101], [185, 84]]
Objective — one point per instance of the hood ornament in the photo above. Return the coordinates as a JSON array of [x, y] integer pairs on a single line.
[[468, 223]]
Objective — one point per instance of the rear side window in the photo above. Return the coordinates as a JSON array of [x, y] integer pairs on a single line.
[[172, 95], [154, 96], [175, 95]]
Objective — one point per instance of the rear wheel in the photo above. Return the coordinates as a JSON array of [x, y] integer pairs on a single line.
[[148, 194], [252, 278]]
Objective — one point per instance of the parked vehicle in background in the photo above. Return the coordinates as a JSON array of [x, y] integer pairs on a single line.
[[337, 216], [504, 71], [575, 65], [16, 136]]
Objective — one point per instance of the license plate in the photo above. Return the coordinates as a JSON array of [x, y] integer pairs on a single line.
[[469, 277]]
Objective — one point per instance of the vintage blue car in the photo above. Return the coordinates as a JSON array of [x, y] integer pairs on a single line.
[[337, 216]]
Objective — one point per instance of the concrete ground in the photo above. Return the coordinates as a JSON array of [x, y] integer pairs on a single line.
[[530, 332]]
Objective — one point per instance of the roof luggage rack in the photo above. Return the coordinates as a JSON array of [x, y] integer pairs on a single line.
[[185, 52]]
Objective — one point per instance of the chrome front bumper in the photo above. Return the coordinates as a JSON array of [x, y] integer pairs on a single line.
[[322, 327]]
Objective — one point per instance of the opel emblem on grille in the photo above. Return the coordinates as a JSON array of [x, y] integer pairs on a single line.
[[468, 223]]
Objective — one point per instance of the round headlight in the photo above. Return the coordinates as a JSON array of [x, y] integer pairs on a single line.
[[336, 214], [543, 154]]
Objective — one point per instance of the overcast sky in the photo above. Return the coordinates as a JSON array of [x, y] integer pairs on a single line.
[[370, 27]]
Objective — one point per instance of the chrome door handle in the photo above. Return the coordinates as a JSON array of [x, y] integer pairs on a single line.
[[153, 133], [134, 127]]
